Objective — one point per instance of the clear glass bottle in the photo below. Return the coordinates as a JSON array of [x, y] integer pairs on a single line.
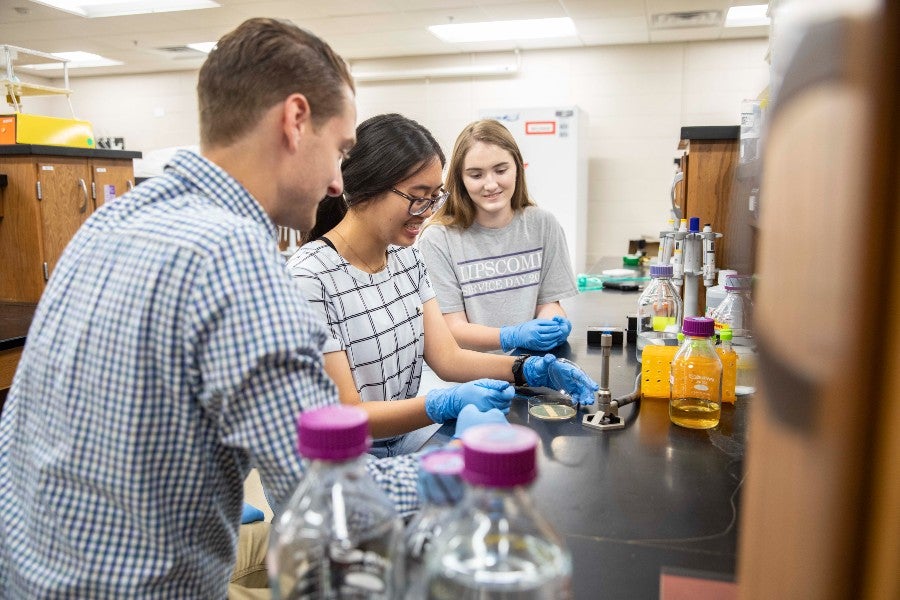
[[729, 360], [659, 310], [339, 535], [496, 545], [695, 399], [440, 489], [716, 293], [746, 369], [736, 311]]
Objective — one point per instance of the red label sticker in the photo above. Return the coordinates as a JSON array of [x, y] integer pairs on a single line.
[[540, 127]]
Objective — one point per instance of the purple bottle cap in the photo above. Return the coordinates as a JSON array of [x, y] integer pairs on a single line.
[[698, 326], [439, 476], [694, 225], [660, 270], [497, 455], [447, 461], [333, 433]]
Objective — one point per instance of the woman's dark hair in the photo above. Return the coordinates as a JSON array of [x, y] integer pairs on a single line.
[[389, 148]]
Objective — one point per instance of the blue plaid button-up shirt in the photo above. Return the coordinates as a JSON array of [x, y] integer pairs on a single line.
[[170, 351]]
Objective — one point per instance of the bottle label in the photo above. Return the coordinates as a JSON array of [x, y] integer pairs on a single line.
[[701, 383], [700, 378]]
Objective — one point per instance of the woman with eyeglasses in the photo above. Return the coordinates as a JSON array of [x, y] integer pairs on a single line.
[[500, 264], [361, 273]]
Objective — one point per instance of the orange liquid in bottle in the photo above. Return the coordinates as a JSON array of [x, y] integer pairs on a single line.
[[729, 373]]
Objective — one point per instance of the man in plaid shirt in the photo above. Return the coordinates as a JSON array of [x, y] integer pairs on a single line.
[[171, 351]]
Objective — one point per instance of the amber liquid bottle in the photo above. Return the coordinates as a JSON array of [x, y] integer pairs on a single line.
[[695, 399]]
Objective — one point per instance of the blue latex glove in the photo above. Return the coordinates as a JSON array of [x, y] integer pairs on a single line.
[[251, 514], [547, 371], [565, 326], [444, 404], [536, 334], [470, 416]]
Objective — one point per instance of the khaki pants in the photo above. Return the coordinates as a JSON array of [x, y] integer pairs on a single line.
[[250, 581]]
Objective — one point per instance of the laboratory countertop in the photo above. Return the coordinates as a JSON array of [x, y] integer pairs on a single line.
[[41, 150], [15, 319], [636, 502]]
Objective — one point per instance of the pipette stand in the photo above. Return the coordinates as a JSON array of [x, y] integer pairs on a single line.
[[607, 416], [693, 256]]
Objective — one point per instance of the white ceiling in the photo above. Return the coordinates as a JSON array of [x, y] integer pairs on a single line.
[[356, 29]]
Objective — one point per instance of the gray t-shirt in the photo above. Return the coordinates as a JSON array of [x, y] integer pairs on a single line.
[[499, 276]]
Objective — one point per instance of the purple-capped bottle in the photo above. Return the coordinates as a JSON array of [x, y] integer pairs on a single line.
[[695, 390], [339, 535], [496, 545], [440, 490]]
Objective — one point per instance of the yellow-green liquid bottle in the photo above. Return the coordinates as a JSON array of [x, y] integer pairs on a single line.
[[695, 399], [729, 360]]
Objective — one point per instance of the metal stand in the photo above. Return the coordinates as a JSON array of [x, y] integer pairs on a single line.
[[15, 90], [607, 416]]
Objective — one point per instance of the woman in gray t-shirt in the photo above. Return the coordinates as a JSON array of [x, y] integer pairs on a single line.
[[499, 264]]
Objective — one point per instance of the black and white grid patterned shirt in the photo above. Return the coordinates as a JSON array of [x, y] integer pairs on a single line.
[[376, 318], [169, 352]]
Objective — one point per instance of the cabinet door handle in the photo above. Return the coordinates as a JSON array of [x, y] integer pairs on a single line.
[[676, 209], [84, 191], [129, 185]]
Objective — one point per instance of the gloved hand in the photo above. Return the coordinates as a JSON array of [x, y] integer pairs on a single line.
[[470, 416], [547, 371], [445, 403], [536, 334], [565, 326]]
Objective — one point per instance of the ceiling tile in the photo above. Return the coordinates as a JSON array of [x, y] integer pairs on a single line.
[[608, 9]]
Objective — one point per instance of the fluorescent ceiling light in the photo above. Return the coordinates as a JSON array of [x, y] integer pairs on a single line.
[[747, 16], [466, 71], [490, 31], [205, 47], [76, 60], [116, 8]]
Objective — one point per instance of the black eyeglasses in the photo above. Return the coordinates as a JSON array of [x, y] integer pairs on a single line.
[[418, 205]]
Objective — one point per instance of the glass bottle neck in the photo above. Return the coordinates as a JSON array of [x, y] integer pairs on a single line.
[[490, 499], [695, 341], [338, 468]]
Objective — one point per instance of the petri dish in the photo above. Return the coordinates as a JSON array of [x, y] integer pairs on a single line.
[[551, 412]]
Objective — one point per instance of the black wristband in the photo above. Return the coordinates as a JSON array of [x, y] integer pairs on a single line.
[[517, 368]]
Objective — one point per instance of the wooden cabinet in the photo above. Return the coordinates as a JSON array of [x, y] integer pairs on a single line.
[[708, 164], [49, 194], [110, 178]]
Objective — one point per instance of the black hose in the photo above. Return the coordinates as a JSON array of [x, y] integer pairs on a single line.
[[631, 397]]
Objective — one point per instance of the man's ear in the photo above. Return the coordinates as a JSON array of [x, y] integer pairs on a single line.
[[296, 119]]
